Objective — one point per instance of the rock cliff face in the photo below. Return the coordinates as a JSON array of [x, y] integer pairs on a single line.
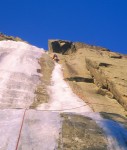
[[109, 77], [86, 63]]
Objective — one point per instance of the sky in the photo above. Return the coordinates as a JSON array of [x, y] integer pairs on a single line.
[[96, 22]]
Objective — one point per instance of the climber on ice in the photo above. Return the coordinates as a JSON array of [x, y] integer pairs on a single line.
[[55, 58]]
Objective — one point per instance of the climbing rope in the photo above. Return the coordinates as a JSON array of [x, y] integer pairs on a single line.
[[69, 108], [74, 107], [23, 118], [20, 131]]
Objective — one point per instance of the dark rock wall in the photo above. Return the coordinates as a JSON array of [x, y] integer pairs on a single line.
[[60, 46]]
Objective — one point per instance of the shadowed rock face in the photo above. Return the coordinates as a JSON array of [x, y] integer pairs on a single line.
[[80, 79], [60, 46]]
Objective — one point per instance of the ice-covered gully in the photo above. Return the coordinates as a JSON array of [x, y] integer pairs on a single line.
[[65, 100], [39, 129]]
